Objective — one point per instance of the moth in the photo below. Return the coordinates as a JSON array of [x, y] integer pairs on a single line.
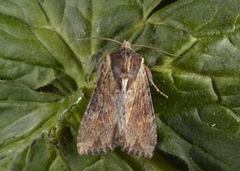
[[120, 111]]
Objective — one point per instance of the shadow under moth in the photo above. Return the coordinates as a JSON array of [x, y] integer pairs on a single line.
[[120, 111]]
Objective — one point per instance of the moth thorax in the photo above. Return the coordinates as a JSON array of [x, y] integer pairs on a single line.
[[127, 63]]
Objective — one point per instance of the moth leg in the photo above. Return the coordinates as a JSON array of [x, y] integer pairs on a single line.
[[149, 75]]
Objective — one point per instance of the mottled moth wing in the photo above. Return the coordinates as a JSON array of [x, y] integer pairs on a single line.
[[139, 134], [99, 129], [120, 111]]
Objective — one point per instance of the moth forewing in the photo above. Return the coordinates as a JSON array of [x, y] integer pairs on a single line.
[[140, 136], [120, 111], [99, 126]]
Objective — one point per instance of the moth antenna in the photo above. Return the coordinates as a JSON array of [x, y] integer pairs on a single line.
[[102, 38], [112, 40], [157, 49]]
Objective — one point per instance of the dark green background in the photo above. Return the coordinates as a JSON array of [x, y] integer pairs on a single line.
[[47, 75]]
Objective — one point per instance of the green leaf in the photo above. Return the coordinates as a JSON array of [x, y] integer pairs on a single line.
[[45, 66]]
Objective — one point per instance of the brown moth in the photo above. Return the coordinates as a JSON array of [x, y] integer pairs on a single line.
[[120, 111]]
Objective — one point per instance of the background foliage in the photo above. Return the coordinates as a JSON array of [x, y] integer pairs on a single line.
[[46, 80]]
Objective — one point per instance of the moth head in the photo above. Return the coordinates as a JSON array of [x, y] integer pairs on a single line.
[[126, 44]]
